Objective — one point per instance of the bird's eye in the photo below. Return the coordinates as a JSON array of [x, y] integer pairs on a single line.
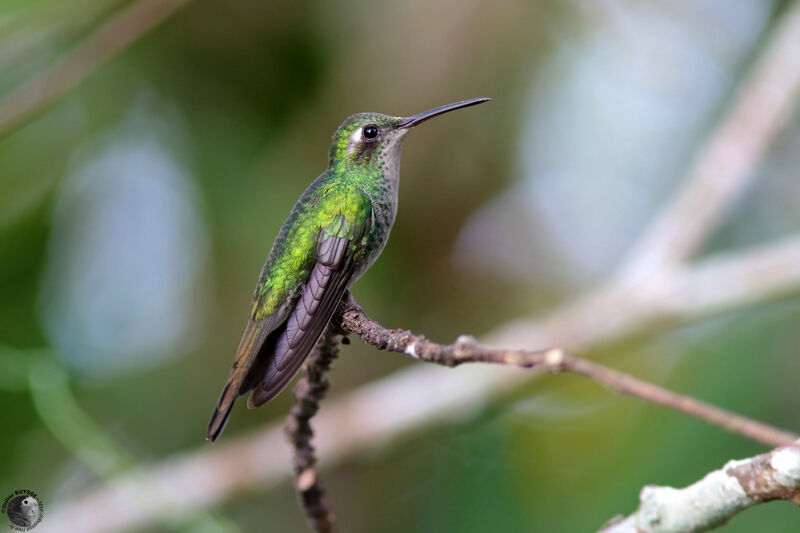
[[371, 131]]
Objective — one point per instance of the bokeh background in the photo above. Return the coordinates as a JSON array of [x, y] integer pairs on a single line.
[[136, 212]]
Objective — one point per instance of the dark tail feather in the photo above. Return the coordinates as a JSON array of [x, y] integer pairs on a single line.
[[241, 381], [220, 417]]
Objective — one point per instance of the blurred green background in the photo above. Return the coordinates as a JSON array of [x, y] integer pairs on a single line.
[[136, 212]]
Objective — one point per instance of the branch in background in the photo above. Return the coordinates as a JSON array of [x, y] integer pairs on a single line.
[[722, 282], [122, 29], [726, 164], [732, 278], [646, 287], [310, 391], [465, 350], [723, 493]]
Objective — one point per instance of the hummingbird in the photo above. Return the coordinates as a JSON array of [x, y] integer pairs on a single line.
[[333, 234]]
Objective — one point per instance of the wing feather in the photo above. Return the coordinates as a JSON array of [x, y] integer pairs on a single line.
[[329, 280]]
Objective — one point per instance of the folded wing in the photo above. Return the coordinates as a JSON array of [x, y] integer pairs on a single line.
[[341, 245]]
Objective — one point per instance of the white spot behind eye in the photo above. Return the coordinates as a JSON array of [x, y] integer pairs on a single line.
[[355, 138]]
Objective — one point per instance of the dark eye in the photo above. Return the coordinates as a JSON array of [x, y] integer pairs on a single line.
[[371, 131]]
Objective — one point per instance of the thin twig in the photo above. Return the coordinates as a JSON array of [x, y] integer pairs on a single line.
[[466, 350], [121, 30], [310, 391], [717, 497]]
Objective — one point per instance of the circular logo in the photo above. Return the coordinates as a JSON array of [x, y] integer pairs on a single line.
[[24, 509]]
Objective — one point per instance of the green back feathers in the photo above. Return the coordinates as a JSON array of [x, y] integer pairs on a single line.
[[330, 205]]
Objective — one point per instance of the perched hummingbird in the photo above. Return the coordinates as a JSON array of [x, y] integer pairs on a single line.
[[334, 233]]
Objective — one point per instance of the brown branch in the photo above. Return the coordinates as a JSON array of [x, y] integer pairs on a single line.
[[351, 317], [310, 391], [122, 29]]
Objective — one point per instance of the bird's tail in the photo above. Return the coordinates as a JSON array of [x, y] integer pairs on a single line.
[[220, 417]]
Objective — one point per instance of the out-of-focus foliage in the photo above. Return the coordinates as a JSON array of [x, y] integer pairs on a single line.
[[135, 215]]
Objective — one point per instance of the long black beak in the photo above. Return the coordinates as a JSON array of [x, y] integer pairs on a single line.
[[419, 118]]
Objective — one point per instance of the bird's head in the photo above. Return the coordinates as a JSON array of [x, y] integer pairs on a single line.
[[368, 138]]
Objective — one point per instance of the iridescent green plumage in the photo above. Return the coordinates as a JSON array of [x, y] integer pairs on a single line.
[[333, 234], [292, 256]]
